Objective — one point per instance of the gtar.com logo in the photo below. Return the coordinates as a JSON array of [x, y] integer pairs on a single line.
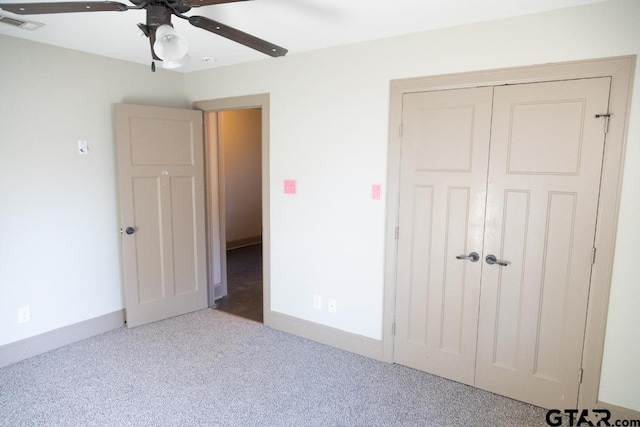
[[586, 417]]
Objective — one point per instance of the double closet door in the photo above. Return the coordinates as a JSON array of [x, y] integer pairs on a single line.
[[499, 191]]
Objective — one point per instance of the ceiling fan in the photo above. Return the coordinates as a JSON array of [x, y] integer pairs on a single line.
[[159, 14]]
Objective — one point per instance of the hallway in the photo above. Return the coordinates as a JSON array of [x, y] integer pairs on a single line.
[[244, 283]]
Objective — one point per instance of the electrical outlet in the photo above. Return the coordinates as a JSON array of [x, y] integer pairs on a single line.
[[24, 314], [331, 303], [317, 302]]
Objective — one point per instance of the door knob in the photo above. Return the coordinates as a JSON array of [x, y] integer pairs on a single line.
[[130, 230], [491, 259], [473, 257]]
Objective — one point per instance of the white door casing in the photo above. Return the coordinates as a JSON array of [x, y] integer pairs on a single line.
[[214, 198], [161, 190]]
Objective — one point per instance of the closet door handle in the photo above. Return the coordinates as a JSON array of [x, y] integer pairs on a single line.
[[473, 257], [491, 259]]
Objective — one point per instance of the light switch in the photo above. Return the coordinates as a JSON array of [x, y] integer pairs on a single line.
[[83, 148]]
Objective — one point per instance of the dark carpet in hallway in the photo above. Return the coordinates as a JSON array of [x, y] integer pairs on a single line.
[[244, 283]]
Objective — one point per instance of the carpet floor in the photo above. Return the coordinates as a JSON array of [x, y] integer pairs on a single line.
[[209, 368], [244, 283]]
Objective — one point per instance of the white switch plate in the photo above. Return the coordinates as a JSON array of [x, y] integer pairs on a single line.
[[83, 148], [24, 314], [317, 302], [331, 303]]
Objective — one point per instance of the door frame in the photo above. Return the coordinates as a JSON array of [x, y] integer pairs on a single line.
[[260, 101], [620, 70]]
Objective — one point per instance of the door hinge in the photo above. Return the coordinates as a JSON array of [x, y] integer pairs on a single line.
[[580, 372], [400, 129], [397, 232], [593, 255], [606, 121]]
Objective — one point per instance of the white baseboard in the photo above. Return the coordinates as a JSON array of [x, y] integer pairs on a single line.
[[327, 335], [29, 347]]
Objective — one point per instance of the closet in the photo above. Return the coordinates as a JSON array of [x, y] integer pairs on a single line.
[[498, 201]]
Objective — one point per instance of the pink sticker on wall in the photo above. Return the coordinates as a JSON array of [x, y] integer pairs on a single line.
[[289, 186], [376, 190]]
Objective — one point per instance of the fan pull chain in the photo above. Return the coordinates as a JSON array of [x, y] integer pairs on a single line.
[[153, 66]]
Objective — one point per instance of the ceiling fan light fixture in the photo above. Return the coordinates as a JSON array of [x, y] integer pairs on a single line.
[[170, 65], [169, 45]]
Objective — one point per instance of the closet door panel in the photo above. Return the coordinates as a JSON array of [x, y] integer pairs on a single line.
[[542, 196], [444, 159]]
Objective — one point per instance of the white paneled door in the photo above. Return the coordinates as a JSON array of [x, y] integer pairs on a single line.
[[445, 152], [162, 213], [512, 174], [542, 200]]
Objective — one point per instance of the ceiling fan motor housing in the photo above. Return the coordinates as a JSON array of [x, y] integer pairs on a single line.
[[158, 15]]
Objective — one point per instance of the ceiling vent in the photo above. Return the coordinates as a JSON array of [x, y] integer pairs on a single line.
[[20, 23]]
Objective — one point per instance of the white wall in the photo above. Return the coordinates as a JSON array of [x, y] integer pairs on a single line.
[[329, 119], [59, 240], [240, 136]]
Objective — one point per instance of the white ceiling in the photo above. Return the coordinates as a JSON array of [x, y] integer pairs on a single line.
[[298, 25]]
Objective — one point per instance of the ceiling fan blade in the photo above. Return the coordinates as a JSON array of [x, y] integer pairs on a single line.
[[237, 36], [198, 3], [64, 7]]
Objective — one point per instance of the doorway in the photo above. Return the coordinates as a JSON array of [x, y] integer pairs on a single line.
[[240, 189], [238, 210]]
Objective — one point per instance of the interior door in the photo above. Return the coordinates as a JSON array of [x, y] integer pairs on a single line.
[[512, 173], [445, 147], [162, 211], [544, 183]]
